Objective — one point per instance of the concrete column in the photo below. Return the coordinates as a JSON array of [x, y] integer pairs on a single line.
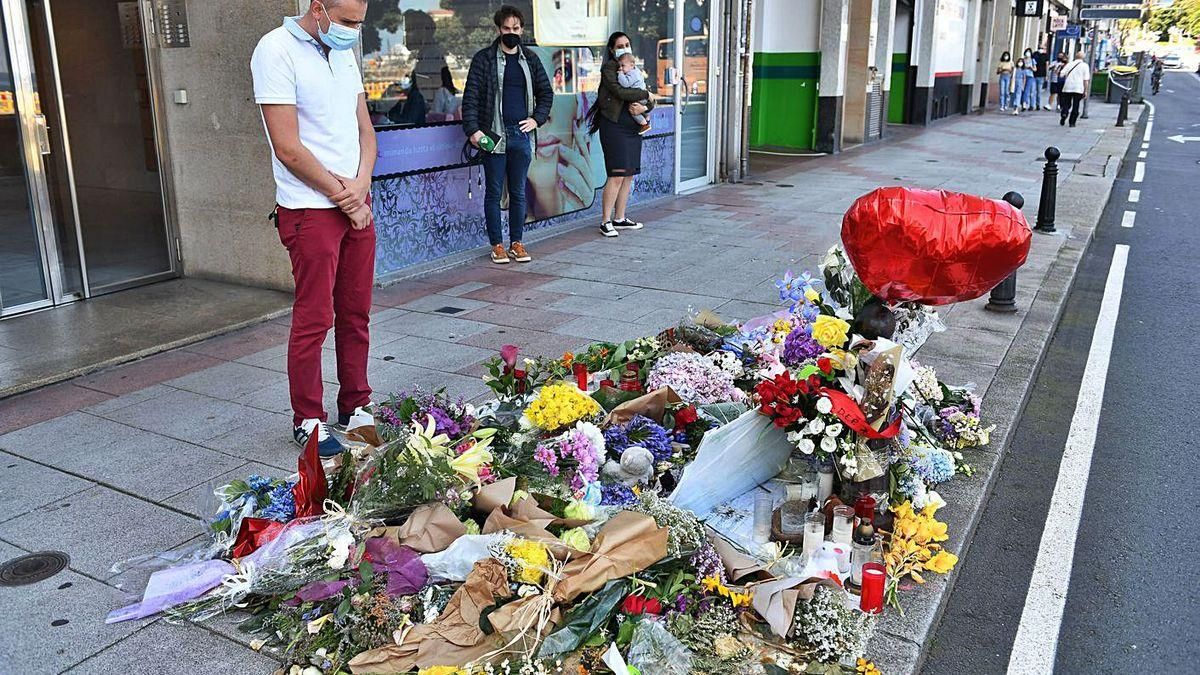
[[860, 59], [970, 53], [885, 38], [835, 16], [986, 58], [921, 111], [1001, 23]]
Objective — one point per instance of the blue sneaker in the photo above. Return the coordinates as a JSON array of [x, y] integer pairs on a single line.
[[327, 444]]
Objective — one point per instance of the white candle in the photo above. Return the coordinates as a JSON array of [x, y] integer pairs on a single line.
[[824, 486]]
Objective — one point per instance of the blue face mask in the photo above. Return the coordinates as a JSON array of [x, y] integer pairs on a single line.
[[338, 37]]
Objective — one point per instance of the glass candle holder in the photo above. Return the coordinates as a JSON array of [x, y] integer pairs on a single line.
[[581, 375], [843, 524], [814, 533], [874, 575], [763, 509], [862, 553]]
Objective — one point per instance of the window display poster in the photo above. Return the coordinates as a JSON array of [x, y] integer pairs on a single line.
[[570, 23], [949, 37]]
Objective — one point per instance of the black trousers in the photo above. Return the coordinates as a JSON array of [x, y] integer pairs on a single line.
[[1068, 104]]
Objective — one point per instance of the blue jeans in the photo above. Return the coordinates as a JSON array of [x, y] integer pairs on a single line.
[[511, 166], [1027, 98], [1041, 84], [1005, 89]]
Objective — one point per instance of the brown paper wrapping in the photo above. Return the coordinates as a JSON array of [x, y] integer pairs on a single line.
[[530, 521], [628, 543], [775, 600], [455, 638], [431, 528], [652, 405], [738, 565], [494, 496], [366, 434]]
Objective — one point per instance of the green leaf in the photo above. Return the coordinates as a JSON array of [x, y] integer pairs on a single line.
[[366, 572], [342, 610], [625, 634]]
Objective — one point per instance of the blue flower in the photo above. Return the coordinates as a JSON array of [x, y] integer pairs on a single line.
[[258, 483], [639, 431], [617, 494], [282, 504]]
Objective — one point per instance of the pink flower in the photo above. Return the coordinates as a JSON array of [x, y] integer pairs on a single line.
[[508, 354]]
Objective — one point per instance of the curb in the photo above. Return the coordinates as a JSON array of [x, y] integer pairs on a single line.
[[902, 643]]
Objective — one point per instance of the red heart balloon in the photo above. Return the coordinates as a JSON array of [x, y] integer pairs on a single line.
[[932, 246]]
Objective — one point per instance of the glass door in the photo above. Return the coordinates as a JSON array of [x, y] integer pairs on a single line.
[[694, 21]]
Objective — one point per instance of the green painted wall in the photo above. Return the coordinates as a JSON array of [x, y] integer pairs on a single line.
[[784, 103], [898, 89]]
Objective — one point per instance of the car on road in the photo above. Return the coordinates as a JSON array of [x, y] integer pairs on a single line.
[[1172, 60]]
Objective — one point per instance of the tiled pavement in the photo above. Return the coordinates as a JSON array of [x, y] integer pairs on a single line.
[[118, 463]]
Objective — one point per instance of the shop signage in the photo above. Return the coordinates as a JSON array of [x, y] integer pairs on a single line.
[[1030, 7], [1058, 23]]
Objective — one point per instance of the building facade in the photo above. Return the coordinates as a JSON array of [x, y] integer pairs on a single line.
[[132, 150]]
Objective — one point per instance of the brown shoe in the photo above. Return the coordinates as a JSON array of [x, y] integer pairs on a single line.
[[498, 255], [517, 252]]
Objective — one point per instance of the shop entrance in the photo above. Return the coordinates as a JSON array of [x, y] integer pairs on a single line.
[[81, 192], [694, 92]]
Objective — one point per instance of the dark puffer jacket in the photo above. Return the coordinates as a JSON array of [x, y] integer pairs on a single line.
[[479, 95]]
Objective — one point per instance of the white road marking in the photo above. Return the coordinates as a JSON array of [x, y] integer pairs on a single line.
[[1149, 127], [1139, 172], [1142, 154], [1127, 218], [1034, 649], [1145, 146], [1134, 196]]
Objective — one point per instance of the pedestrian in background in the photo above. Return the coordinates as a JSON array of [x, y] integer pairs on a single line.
[[620, 135], [314, 107], [1023, 87], [1076, 77], [1041, 62], [506, 98], [446, 101], [1005, 71], [1054, 71]]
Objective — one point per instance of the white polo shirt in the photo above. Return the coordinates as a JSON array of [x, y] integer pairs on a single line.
[[1075, 76], [290, 67]]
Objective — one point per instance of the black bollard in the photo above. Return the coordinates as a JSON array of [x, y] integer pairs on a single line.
[[1004, 296], [1123, 111], [1045, 214]]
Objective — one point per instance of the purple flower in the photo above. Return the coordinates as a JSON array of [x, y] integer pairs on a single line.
[[799, 346], [639, 431], [695, 378], [546, 456], [707, 563]]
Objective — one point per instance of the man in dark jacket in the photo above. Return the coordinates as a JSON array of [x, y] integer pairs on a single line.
[[507, 97]]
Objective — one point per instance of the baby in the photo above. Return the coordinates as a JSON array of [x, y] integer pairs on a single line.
[[630, 76]]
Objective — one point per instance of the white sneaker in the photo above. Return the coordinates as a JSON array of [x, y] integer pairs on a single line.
[[607, 229], [627, 224], [327, 444]]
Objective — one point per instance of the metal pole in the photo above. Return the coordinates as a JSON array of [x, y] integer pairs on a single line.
[[1045, 214], [747, 63], [1004, 296], [1123, 111], [1090, 62]]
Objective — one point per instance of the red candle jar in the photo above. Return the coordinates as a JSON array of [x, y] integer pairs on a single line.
[[522, 382], [581, 375], [874, 574]]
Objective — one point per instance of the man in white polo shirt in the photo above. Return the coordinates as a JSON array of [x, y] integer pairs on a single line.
[[314, 108], [1076, 78]]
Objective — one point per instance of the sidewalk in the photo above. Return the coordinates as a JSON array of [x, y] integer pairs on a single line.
[[115, 464]]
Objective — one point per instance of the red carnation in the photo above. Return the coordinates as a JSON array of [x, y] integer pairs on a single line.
[[825, 365], [653, 606], [685, 417], [634, 605]]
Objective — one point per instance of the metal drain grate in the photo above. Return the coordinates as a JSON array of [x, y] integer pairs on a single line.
[[449, 310], [32, 568], [1013, 152]]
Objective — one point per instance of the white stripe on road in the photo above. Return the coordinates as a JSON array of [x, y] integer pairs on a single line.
[[1134, 196], [1142, 154], [1034, 648], [1127, 218], [1139, 172], [1149, 126], [1145, 146]]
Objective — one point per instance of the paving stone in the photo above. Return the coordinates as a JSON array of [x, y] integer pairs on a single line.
[[608, 330], [968, 345], [162, 649], [268, 440], [438, 301], [227, 380], [186, 415], [512, 315], [397, 377], [434, 354], [24, 486], [31, 644], [591, 289], [277, 398], [532, 343], [149, 371], [434, 327], [598, 307], [891, 654], [99, 527], [126, 400], [647, 300], [742, 310], [46, 403], [464, 288]]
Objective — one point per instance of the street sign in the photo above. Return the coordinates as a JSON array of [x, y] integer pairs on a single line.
[[1072, 32], [1058, 23], [1030, 7], [1105, 13]]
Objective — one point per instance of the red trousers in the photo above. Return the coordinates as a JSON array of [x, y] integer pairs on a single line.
[[334, 268]]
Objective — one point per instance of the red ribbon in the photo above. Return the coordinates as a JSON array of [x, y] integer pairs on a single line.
[[849, 413]]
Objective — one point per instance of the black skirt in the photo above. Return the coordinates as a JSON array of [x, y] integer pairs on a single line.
[[622, 144]]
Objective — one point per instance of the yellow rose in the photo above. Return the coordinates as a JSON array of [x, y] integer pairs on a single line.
[[577, 539], [941, 563], [811, 295], [830, 331]]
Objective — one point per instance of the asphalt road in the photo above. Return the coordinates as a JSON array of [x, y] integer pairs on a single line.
[[1133, 602]]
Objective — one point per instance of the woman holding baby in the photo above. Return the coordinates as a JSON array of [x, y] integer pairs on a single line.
[[620, 116]]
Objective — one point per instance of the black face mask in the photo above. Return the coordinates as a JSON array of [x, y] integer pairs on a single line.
[[510, 40]]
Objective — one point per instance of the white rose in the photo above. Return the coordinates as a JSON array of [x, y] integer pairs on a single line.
[[828, 444], [824, 405], [794, 437], [815, 427], [833, 430], [806, 446]]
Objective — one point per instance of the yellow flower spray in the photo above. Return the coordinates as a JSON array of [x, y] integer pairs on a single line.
[[914, 548]]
